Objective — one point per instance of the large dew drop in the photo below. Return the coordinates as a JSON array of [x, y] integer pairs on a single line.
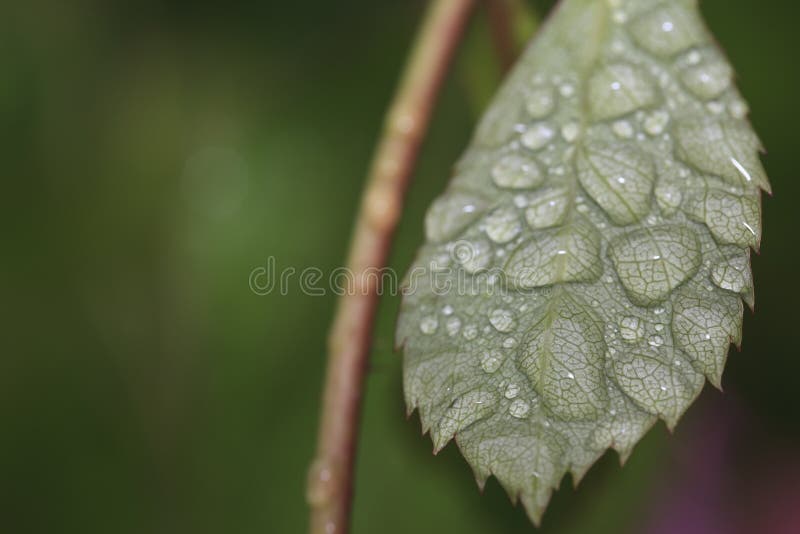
[[668, 197], [452, 325], [466, 409], [429, 325], [491, 360], [517, 172], [618, 89], [564, 358], [541, 102], [709, 79], [619, 178], [570, 253], [631, 329], [734, 273], [547, 207], [503, 224], [502, 320], [451, 213], [656, 384], [511, 391], [475, 255], [622, 129], [667, 30], [725, 147], [734, 219], [651, 262], [704, 329], [519, 408], [656, 122], [537, 136]]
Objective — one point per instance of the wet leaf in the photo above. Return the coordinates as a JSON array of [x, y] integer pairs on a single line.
[[592, 251]]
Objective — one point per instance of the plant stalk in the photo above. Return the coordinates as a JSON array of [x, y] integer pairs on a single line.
[[500, 24], [330, 484]]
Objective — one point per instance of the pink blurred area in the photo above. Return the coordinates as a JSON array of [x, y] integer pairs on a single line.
[[726, 474]]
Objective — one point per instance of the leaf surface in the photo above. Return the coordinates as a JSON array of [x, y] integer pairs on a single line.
[[585, 270]]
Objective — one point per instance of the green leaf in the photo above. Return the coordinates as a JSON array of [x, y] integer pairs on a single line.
[[584, 272]]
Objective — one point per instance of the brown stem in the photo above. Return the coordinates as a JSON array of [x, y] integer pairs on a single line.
[[330, 485], [500, 24]]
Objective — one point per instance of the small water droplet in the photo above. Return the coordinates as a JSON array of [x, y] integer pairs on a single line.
[[541, 102], [570, 375], [320, 488], [669, 198], [733, 274], [537, 136], [519, 408], [509, 343], [491, 361], [440, 262], [520, 201], [470, 332], [738, 109], [512, 390], [743, 172], [453, 325], [429, 324], [570, 132], [656, 341], [447, 310], [502, 319], [623, 129], [655, 122], [567, 90], [631, 329], [715, 107]]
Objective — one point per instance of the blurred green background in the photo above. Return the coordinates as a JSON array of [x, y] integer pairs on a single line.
[[156, 152]]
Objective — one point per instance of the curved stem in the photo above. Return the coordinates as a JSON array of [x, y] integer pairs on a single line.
[[500, 24], [330, 485], [511, 23]]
